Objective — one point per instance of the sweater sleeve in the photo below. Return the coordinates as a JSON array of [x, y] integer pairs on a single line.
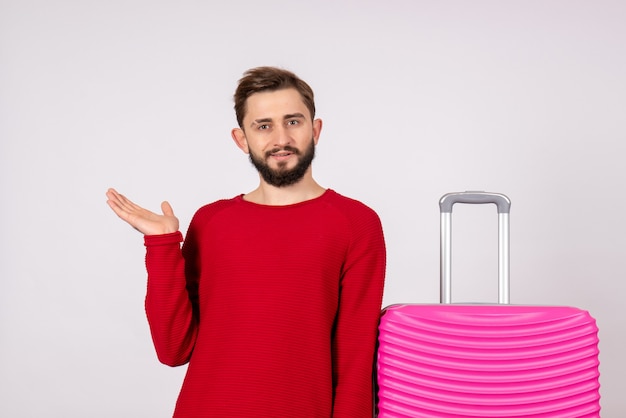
[[354, 341], [169, 297]]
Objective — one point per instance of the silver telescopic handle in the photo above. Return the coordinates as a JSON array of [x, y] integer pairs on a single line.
[[504, 205]]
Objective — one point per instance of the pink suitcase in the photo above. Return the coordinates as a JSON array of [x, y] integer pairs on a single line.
[[486, 360]]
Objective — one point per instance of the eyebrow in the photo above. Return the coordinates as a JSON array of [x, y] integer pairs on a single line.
[[260, 121], [294, 115]]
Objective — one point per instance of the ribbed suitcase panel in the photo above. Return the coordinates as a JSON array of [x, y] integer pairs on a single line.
[[487, 361]]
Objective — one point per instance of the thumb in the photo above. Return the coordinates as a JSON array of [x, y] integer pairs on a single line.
[[167, 209]]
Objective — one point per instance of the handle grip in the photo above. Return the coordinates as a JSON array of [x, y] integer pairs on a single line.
[[501, 201], [504, 205]]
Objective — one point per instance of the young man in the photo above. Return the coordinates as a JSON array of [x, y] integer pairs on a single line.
[[275, 296]]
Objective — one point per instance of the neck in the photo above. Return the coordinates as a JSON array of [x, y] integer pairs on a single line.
[[266, 194]]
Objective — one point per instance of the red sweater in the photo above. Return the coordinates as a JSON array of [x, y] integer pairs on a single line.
[[274, 307]]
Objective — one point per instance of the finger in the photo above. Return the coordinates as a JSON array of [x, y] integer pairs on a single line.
[[166, 208], [113, 199], [122, 206], [112, 195], [125, 203], [119, 210], [116, 197]]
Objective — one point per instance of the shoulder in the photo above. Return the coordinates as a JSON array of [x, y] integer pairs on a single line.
[[208, 211], [350, 207], [356, 215], [363, 224]]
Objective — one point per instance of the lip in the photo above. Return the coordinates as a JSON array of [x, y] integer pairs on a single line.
[[281, 155]]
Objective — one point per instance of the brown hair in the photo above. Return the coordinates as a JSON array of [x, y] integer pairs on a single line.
[[261, 79]]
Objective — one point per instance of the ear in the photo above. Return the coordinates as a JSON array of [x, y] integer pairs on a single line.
[[317, 130], [239, 136]]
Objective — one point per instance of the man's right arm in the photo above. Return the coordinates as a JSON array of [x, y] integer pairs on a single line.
[[169, 305]]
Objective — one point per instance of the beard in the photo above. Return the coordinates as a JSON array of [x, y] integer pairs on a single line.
[[282, 176]]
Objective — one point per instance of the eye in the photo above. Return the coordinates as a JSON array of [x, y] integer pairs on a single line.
[[293, 122], [263, 127]]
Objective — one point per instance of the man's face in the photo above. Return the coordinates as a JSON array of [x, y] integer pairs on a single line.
[[279, 135]]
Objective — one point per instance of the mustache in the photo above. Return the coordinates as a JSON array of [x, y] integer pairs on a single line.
[[287, 148]]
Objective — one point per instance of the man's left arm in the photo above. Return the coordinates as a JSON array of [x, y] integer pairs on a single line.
[[354, 341]]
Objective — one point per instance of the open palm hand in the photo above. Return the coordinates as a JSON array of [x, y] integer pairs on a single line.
[[143, 220]]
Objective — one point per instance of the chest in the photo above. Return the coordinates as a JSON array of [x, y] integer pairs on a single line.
[[280, 259]]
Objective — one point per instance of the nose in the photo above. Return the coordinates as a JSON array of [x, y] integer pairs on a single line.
[[281, 136]]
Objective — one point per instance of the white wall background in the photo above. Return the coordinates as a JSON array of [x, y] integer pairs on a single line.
[[419, 98]]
